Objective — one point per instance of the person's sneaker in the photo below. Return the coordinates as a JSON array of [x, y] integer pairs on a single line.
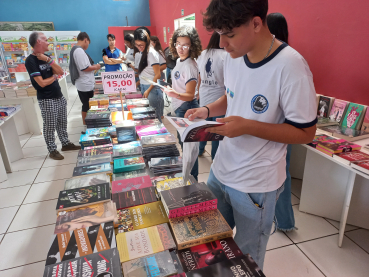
[[202, 153], [55, 155], [70, 146]]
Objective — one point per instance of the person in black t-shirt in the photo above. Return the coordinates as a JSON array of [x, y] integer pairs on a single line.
[[43, 72]]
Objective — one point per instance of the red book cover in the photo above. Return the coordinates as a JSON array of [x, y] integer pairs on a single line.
[[354, 156], [191, 210], [134, 197], [364, 166], [203, 255], [133, 96], [337, 146], [131, 184]]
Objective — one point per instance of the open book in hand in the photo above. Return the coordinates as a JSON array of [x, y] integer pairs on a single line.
[[191, 131]]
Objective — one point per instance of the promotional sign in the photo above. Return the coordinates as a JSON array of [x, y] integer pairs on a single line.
[[118, 81]]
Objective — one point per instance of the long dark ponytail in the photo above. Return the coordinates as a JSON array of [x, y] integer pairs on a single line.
[[142, 35]]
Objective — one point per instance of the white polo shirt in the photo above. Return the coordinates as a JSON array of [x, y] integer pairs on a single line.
[[185, 71], [148, 72], [277, 90]]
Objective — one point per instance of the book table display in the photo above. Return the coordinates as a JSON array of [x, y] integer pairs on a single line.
[[10, 148], [330, 188]]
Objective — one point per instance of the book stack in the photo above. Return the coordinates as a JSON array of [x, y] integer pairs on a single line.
[[159, 140], [160, 151], [165, 166], [130, 174], [94, 139], [143, 102], [31, 91], [9, 91], [95, 159], [351, 157], [133, 96], [99, 99], [96, 119], [134, 197], [331, 147], [172, 183], [129, 149], [22, 91], [92, 169], [97, 150]]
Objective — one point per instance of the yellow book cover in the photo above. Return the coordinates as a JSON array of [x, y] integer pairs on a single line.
[[170, 184], [142, 216]]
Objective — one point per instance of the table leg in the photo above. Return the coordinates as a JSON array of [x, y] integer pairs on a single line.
[[346, 206]]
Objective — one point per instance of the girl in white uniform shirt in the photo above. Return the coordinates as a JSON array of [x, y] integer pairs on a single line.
[[155, 42], [211, 81], [149, 68], [186, 45], [128, 41]]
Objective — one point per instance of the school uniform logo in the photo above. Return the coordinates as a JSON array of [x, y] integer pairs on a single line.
[[177, 75], [259, 104]]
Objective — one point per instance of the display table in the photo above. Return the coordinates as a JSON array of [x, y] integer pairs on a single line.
[[64, 86], [328, 187], [10, 147], [3, 176]]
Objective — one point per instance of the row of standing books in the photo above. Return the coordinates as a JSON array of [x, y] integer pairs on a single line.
[[126, 210]]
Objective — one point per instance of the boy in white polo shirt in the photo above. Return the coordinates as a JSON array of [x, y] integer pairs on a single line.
[[269, 103]]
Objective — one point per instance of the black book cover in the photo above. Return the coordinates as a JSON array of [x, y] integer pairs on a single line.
[[143, 116], [142, 110], [95, 151], [134, 197], [323, 106], [92, 169], [166, 162], [241, 266], [187, 196], [83, 196], [98, 125], [102, 264], [176, 262]]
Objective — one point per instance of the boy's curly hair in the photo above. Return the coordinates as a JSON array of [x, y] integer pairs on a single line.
[[190, 32]]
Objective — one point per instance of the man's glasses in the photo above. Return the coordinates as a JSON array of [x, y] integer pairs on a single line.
[[184, 47]]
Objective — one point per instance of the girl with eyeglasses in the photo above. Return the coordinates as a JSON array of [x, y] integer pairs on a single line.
[[149, 68], [186, 46]]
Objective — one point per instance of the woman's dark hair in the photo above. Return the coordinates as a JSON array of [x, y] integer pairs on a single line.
[[129, 37], [157, 47], [110, 36], [82, 36], [214, 41], [228, 14], [142, 35], [191, 33], [277, 25]]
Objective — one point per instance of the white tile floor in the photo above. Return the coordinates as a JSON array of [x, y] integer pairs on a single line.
[[27, 218]]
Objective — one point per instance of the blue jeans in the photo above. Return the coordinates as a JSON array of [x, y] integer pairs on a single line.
[[254, 222], [180, 112], [168, 73], [283, 209], [156, 99], [214, 144]]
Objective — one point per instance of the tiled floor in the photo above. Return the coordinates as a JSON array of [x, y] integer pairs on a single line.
[[27, 217]]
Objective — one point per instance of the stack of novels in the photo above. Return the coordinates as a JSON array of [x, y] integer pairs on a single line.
[[130, 174], [133, 96], [172, 183], [31, 91], [166, 139], [97, 150], [331, 147], [143, 113], [98, 119], [165, 166], [129, 184], [9, 92], [85, 181], [160, 151], [351, 157], [99, 100], [22, 92], [128, 164], [134, 197], [129, 149], [94, 139]]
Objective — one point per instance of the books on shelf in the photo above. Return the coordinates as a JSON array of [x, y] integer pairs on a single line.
[[92, 215], [128, 164], [199, 228], [144, 242], [158, 264], [186, 200], [135, 197], [331, 147], [85, 196], [365, 125], [209, 253], [85, 181], [141, 216], [354, 116], [105, 263], [239, 266], [191, 131], [131, 184], [338, 110], [350, 157], [92, 169], [165, 139], [325, 105], [81, 242]]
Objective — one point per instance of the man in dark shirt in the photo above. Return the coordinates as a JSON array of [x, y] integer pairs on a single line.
[[112, 56], [43, 72]]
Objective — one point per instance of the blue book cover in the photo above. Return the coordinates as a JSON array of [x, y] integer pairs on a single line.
[[92, 169], [128, 164]]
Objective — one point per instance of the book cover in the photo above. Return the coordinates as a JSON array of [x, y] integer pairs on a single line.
[[361, 166], [156, 179], [94, 137], [126, 134], [109, 145], [172, 183], [96, 159], [85, 216], [158, 140], [102, 264], [92, 169], [148, 130], [147, 122], [167, 161], [94, 131], [353, 116], [143, 110], [81, 242], [337, 146], [129, 174], [141, 216], [240, 266], [349, 157], [141, 116], [131, 184], [85, 181], [134, 197], [133, 96], [128, 164], [323, 107], [83, 196], [144, 242], [186, 200], [337, 110], [177, 264], [158, 264], [319, 138], [199, 228], [209, 253], [129, 149], [365, 125], [97, 150]]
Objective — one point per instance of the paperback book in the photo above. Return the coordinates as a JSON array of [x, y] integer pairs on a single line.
[[191, 131], [131, 184], [85, 181], [165, 166], [97, 150], [337, 146], [186, 200], [165, 139], [350, 157], [147, 122], [142, 216], [240, 266], [162, 151], [136, 197], [144, 242], [361, 166], [338, 110], [173, 183], [96, 159], [81, 242], [129, 174], [92, 169], [319, 138], [98, 146], [365, 125], [128, 164], [126, 134], [144, 116], [158, 264], [209, 253], [354, 116], [199, 228], [149, 130], [324, 106], [105, 263], [129, 149], [85, 216], [143, 110]]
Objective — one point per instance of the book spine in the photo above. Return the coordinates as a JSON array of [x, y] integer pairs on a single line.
[[215, 237], [194, 209], [321, 149]]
